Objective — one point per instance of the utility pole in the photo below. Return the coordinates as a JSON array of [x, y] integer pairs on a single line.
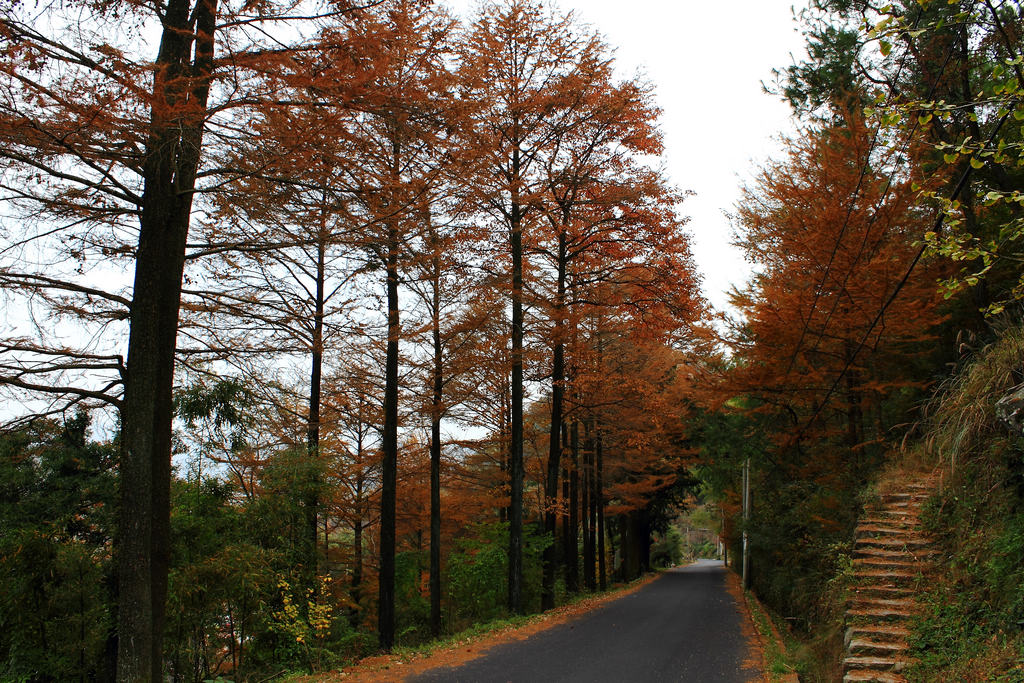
[[746, 520], [723, 546]]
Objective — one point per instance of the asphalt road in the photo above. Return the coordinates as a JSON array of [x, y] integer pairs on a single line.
[[683, 626]]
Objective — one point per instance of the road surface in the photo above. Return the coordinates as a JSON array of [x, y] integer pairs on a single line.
[[683, 626]]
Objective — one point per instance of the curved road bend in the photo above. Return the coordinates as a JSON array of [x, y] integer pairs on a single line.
[[683, 626]]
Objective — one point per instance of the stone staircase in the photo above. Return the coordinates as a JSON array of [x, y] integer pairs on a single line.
[[891, 553]]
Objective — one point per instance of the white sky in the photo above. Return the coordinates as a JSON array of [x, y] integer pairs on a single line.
[[707, 61]]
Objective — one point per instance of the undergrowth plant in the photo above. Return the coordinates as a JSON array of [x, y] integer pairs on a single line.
[[972, 625]]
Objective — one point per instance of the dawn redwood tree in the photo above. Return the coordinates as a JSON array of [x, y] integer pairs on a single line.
[[344, 178], [442, 280], [627, 259], [58, 125], [642, 440], [286, 293], [103, 146], [639, 327], [485, 388], [819, 347], [516, 62], [402, 126], [591, 191], [435, 244], [948, 75]]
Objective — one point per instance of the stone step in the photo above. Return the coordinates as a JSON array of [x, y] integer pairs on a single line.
[[893, 542], [866, 602], [901, 505], [918, 496], [897, 520], [882, 591], [876, 576], [893, 553], [926, 483], [907, 516], [878, 633], [918, 556], [877, 614], [869, 676], [887, 531], [895, 664], [885, 564], [873, 648], [887, 511]]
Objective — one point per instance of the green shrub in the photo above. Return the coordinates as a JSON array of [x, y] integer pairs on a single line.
[[412, 603], [476, 575], [667, 551], [57, 510]]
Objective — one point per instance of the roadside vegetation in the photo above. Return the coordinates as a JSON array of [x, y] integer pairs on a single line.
[[337, 328], [973, 624], [357, 326], [881, 334]]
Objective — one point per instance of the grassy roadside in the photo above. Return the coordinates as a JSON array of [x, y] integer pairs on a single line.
[[779, 664]]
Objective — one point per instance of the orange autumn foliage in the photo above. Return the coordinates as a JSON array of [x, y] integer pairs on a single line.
[[832, 230]]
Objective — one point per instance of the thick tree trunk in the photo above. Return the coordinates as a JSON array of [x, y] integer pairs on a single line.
[[566, 539], [625, 556], [592, 516], [589, 578], [589, 549], [631, 547], [389, 466], [435, 446], [356, 592], [555, 440], [547, 600], [644, 539], [572, 559], [636, 543], [515, 535], [169, 170], [599, 500], [312, 495], [505, 448], [551, 485]]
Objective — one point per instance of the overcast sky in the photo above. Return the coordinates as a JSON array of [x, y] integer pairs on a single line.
[[707, 61]]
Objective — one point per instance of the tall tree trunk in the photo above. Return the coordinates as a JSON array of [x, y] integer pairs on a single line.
[[312, 494], [435, 440], [169, 172], [592, 516], [356, 592], [505, 447], [555, 440], [644, 538], [515, 535], [389, 466], [636, 544], [599, 501], [572, 559], [547, 600], [624, 571], [589, 579], [567, 550]]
